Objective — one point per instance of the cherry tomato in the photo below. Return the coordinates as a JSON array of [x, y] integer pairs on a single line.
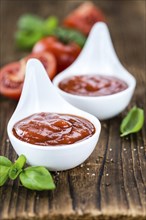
[[84, 17], [65, 53], [12, 75]]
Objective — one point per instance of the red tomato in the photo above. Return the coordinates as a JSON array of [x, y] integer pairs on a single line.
[[84, 17], [47, 59], [12, 75], [10, 84], [65, 53]]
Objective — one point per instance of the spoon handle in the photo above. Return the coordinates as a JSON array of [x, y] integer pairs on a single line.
[[97, 50], [38, 93]]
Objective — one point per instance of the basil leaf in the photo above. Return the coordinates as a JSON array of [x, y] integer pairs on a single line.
[[16, 168], [14, 172], [4, 171], [4, 161], [37, 178], [29, 22], [5, 165], [26, 40], [67, 35], [133, 121], [49, 25], [32, 28], [21, 161]]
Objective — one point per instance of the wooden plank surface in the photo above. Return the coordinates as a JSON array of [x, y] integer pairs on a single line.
[[111, 183]]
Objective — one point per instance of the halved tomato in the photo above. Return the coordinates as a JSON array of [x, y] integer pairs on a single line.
[[12, 75], [84, 17], [10, 85], [47, 59], [65, 53]]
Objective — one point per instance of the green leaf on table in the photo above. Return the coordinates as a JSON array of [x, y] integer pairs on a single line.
[[49, 25], [16, 168], [5, 165], [29, 22], [26, 40], [4, 161], [32, 28], [133, 121], [37, 178]]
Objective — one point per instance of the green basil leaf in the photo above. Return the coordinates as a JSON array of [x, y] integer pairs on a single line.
[[21, 161], [49, 25], [29, 22], [67, 35], [4, 171], [16, 168], [26, 40], [37, 178], [14, 172], [5, 165], [5, 161], [133, 121]]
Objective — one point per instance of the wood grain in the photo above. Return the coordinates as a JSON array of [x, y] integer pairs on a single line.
[[111, 184]]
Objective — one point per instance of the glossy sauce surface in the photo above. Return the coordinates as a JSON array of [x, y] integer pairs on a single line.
[[92, 85], [53, 129]]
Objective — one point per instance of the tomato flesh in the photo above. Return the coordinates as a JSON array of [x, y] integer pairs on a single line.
[[65, 53], [8, 87], [84, 17], [12, 75], [48, 60]]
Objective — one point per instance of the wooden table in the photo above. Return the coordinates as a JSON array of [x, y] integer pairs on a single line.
[[111, 183]]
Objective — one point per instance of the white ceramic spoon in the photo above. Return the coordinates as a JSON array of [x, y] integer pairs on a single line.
[[98, 57], [40, 95]]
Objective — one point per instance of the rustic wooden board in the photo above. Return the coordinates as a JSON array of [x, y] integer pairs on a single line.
[[111, 183]]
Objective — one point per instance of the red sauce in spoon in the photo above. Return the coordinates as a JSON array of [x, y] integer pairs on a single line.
[[53, 129], [92, 85]]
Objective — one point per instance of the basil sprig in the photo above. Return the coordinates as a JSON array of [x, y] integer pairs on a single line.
[[31, 28], [133, 121], [32, 177]]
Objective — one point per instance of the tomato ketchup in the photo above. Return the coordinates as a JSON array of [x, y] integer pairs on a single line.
[[53, 129], [92, 85]]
